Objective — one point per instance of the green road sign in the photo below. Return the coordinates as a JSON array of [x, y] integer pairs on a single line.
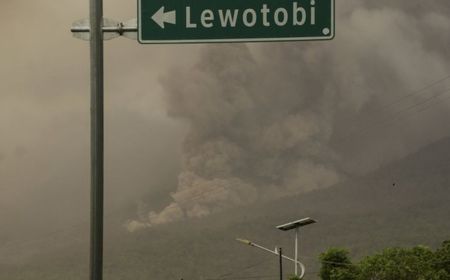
[[199, 21]]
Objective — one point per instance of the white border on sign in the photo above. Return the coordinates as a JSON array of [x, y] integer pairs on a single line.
[[240, 40]]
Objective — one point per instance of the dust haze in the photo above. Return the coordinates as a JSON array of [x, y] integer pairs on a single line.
[[44, 119], [210, 127], [271, 120]]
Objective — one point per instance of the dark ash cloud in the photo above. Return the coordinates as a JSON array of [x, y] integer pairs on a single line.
[[268, 120]]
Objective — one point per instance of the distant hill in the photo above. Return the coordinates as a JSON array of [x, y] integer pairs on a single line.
[[403, 204]]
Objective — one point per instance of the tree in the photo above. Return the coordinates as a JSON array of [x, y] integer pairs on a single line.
[[399, 264], [417, 263], [336, 265], [442, 260]]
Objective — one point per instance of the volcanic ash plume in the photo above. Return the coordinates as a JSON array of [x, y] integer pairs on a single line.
[[269, 120]]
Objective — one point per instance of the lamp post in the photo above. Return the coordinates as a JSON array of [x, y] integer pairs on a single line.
[[275, 252], [296, 225]]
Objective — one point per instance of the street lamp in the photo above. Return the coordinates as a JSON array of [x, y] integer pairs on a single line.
[[275, 252], [296, 225]]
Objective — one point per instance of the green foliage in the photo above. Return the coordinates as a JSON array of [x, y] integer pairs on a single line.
[[336, 265], [398, 263], [442, 260], [294, 278], [417, 263]]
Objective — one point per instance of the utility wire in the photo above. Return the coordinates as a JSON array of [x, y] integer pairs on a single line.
[[53, 234], [418, 92], [243, 269], [68, 229], [394, 116], [201, 195], [246, 277]]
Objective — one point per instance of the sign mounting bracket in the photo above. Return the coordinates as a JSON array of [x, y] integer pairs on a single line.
[[111, 29]]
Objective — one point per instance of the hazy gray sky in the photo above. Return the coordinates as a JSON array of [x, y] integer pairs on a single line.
[[253, 121], [44, 114]]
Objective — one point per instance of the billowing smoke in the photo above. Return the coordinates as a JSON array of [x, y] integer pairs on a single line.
[[269, 120]]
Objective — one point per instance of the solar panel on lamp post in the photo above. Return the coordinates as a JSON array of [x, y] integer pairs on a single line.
[[296, 225]]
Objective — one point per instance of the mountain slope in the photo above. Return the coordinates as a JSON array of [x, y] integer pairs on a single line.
[[403, 204]]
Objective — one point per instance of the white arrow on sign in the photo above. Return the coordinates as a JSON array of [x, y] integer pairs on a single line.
[[161, 17]]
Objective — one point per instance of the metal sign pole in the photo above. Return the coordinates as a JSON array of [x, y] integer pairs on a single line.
[[96, 53], [296, 250], [281, 263], [94, 30]]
